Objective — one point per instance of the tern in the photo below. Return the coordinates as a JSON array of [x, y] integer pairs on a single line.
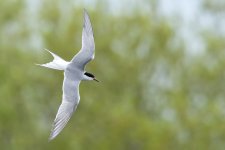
[[74, 73]]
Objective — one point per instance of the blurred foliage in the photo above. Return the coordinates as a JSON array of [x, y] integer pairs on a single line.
[[153, 93]]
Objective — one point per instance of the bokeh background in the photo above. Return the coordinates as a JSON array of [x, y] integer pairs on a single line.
[[161, 64]]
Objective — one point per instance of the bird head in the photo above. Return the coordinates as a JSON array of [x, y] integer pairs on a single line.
[[89, 76]]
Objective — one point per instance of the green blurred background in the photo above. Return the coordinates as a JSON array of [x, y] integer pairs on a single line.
[[160, 63]]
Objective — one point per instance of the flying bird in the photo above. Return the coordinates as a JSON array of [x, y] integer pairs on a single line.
[[74, 73]]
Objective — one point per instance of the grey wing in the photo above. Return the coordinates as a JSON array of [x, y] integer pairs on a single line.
[[68, 106], [86, 53]]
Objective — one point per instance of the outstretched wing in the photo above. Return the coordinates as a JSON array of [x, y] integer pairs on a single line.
[[68, 106], [86, 53]]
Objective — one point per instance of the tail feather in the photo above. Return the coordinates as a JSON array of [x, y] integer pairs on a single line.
[[58, 63]]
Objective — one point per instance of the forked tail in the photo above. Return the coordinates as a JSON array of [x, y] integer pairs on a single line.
[[58, 63]]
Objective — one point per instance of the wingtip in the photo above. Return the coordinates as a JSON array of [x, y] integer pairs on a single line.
[[50, 138], [85, 10]]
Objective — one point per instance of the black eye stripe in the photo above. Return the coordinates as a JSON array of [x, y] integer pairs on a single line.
[[89, 74]]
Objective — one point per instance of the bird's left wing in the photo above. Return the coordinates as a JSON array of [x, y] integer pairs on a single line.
[[68, 106], [86, 53]]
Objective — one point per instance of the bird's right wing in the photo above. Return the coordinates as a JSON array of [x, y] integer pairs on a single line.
[[68, 106], [86, 53]]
